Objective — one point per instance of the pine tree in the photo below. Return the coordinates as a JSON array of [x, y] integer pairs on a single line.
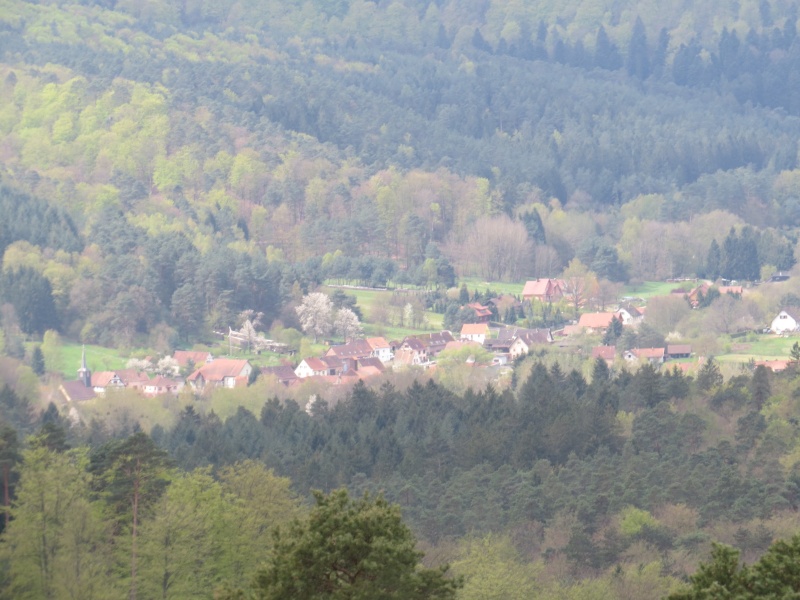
[[638, 63]]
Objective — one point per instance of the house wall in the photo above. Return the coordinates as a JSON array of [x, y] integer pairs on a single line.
[[783, 323]]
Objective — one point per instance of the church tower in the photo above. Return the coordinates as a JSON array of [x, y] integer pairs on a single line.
[[84, 374]]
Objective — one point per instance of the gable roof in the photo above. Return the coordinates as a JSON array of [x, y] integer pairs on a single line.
[[607, 353], [597, 320], [220, 369], [679, 349], [182, 357], [352, 349], [75, 391], [376, 343], [103, 378], [315, 364], [474, 329], [372, 362], [283, 373], [541, 287], [793, 312], [480, 309], [648, 353], [132, 377]]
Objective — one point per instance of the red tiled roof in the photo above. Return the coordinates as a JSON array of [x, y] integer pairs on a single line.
[[605, 352], [184, 356], [315, 364], [596, 320], [474, 329], [220, 369], [132, 376], [75, 391], [648, 352], [377, 342], [679, 349], [102, 378]]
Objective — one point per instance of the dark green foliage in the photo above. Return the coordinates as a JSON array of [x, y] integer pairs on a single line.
[[613, 332], [775, 575], [30, 219], [32, 298], [709, 376], [351, 550], [37, 361]]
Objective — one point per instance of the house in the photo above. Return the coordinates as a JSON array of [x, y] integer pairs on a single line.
[[326, 365], [412, 352], [76, 391], [380, 349], [607, 353], [161, 385], [652, 355], [283, 373], [483, 314], [352, 349], [543, 290], [776, 366], [106, 380], [595, 322], [474, 332], [221, 372], [131, 378], [527, 339], [629, 314], [679, 351], [186, 358], [788, 320]]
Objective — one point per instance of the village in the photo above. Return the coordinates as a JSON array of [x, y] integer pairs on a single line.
[[481, 343]]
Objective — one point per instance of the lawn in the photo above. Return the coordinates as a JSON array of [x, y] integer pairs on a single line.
[[505, 287], [648, 289], [760, 347], [97, 359]]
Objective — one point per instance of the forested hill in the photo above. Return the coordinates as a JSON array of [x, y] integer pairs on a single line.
[[228, 144]]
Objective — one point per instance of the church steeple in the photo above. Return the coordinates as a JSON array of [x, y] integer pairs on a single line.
[[84, 374]]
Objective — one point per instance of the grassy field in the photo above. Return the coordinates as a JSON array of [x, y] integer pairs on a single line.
[[97, 358], [761, 347], [648, 289], [505, 287]]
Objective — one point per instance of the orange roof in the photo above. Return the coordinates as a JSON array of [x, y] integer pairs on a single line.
[[774, 365], [378, 342], [184, 356], [604, 352], [596, 320], [648, 352], [102, 378], [541, 287], [315, 364], [474, 329], [220, 369]]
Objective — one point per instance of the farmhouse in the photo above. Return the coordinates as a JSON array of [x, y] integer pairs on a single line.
[[543, 290], [222, 372], [788, 320]]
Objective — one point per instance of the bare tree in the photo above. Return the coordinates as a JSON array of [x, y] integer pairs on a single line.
[[347, 324], [315, 314], [580, 284], [665, 312], [495, 248]]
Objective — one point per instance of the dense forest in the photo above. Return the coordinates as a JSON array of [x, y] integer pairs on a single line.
[[166, 167], [614, 486], [261, 145]]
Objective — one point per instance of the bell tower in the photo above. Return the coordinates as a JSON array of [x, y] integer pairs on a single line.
[[84, 374]]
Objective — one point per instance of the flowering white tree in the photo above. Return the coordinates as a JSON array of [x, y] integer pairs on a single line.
[[347, 324], [168, 366], [315, 314]]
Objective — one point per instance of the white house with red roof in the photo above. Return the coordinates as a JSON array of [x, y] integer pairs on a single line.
[[474, 332], [222, 372]]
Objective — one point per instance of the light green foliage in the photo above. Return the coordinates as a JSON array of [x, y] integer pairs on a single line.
[[632, 519], [492, 570], [51, 348], [187, 544], [57, 541]]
